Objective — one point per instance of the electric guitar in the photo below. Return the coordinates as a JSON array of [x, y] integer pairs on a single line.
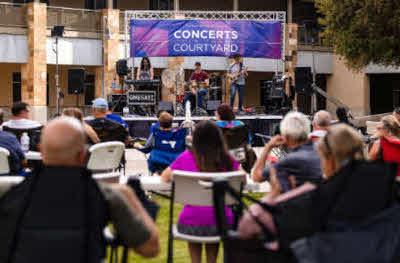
[[235, 77]]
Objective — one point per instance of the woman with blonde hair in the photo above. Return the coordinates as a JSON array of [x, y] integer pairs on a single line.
[[78, 114], [387, 148]]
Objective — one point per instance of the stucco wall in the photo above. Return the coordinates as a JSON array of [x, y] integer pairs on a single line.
[[352, 88]]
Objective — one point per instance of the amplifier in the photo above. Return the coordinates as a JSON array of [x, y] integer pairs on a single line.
[[141, 98]]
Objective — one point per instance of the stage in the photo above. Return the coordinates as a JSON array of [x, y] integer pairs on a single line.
[[264, 124]]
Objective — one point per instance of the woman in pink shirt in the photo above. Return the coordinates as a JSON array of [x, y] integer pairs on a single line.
[[208, 154]]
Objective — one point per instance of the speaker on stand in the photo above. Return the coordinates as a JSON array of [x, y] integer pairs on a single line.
[[76, 82]]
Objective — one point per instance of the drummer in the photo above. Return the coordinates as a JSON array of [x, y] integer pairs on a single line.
[[199, 80]]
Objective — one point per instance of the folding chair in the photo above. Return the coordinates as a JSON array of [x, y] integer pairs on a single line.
[[235, 249], [105, 158], [195, 189], [4, 161], [238, 141]]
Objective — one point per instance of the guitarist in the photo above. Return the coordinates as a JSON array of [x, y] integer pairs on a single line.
[[237, 72]]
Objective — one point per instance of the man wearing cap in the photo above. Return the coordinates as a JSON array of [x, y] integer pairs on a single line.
[[100, 121], [198, 76]]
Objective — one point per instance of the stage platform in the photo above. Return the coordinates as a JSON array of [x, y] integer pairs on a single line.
[[264, 124]]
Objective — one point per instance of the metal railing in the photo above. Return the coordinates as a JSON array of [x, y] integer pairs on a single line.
[[309, 36], [74, 19], [12, 15]]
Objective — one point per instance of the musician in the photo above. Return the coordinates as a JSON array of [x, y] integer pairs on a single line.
[[237, 72], [145, 71], [197, 77]]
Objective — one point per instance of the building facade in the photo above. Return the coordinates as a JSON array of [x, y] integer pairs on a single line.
[[27, 57]]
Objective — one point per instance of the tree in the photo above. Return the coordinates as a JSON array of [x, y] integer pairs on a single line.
[[362, 31]]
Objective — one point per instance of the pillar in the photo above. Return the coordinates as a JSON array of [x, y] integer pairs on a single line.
[[291, 49], [235, 5], [111, 48], [34, 73], [290, 11]]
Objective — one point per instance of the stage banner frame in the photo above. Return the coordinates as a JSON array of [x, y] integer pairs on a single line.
[[210, 38], [278, 16]]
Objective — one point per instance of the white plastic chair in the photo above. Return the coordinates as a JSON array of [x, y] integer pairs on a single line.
[[105, 156], [195, 189], [4, 161]]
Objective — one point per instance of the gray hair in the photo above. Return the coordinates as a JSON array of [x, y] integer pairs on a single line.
[[322, 118], [296, 125]]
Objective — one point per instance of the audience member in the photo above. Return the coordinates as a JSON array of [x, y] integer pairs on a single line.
[[103, 126], [301, 165], [17, 157], [115, 117], [78, 114], [353, 190], [64, 161], [387, 148], [163, 144], [20, 117], [208, 154], [321, 122], [396, 113], [342, 116], [157, 124]]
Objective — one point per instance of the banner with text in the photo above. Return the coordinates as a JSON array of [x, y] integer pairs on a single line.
[[221, 38]]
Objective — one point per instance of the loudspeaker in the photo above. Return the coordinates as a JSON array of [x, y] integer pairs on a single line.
[[76, 80], [212, 105], [166, 106], [303, 80], [122, 67]]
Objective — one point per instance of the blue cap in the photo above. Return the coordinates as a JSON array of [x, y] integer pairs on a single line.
[[100, 103]]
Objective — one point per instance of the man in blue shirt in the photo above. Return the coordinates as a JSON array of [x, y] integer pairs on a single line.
[[115, 117], [17, 157]]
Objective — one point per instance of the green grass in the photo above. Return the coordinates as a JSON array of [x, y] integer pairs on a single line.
[[181, 253]]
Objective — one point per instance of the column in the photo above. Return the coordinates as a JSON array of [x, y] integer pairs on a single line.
[[291, 48], [176, 5], [290, 11], [34, 73], [111, 48], [235, 5]]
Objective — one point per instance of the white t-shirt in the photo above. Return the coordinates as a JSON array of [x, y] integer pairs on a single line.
[[21, 124]]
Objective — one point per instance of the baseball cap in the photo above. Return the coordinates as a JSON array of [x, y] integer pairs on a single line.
[[100, 103]]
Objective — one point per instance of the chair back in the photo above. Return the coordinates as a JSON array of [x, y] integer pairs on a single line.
[[170, 141], [111, 133], [391, 151], [4, 161], [34, 135], [236, 137], [105, 156], [371, 126], [194, 188]]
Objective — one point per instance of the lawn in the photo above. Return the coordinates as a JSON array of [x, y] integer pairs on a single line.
[[181, 254]]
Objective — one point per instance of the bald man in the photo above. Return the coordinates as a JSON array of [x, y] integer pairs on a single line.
[[63, 184], [321, 122]]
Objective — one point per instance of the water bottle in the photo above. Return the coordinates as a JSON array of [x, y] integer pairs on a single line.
[[25, 142], [125, 111]]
